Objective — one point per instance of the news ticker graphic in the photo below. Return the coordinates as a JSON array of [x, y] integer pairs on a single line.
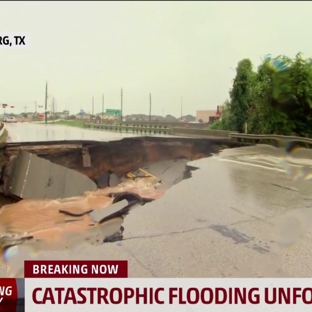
[[104, 285], [12, 294], [14, 40], [168, 294], [75, 269]]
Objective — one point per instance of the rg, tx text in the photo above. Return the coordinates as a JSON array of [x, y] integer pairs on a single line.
[[17, 40]]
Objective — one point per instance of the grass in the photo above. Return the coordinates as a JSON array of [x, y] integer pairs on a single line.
[[72, 123]]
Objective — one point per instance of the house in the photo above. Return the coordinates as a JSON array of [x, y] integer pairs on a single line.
[[206, 115], [209, 115], [83, 116]]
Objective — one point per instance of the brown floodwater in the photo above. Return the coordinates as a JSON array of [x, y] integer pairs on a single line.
[[41, 218], [52, 230]]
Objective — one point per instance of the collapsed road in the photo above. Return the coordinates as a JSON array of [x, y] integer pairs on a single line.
[[241, 214], [82, 190]]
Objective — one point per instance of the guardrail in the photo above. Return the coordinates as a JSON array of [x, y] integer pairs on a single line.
[[201, 132], [135, 128], [170, 124], [150, 128], [257, 138]]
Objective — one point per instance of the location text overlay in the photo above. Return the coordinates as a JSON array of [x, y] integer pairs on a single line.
[[14, 40]]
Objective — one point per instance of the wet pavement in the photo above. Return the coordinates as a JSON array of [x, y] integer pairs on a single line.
[[244, 213], [31, 132]]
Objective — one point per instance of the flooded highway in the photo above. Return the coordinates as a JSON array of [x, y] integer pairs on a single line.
[[246, 212], [31, 132]]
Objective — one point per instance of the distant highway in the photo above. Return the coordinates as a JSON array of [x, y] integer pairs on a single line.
[[31, 132]]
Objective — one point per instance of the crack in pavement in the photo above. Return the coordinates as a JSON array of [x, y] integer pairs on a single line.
[[265, 219], [244, 221], [185, 231], [283, 187], [167, 234]]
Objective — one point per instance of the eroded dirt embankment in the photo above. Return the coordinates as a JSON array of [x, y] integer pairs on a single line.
[[163, 159], [123, 155]]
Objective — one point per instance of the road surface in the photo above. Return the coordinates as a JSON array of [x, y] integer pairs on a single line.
[[240, 215], [31, 132]]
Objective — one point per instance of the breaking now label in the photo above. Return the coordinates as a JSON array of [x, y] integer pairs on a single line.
[[12, 294], [14, 40]]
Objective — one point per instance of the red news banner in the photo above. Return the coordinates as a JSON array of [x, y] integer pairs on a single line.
[[97, 285], [76, 269], [79, 294], [12, 291]]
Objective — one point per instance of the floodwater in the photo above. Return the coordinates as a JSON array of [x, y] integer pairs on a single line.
[[32, 132], [244, 213], [51, 229]]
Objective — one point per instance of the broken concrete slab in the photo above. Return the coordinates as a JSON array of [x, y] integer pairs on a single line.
[[118, 236], [35, 177], [108, 231], [102, 180], [114, 180], [170, 172], [130, 197], [98, 215]]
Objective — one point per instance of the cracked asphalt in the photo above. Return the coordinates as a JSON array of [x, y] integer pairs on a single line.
[[229, 220], [240, 215]]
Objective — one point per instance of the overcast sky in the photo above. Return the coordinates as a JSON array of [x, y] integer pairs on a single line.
[[168, 49]]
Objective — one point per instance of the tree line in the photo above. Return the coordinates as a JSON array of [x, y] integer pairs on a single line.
[[274, 99]]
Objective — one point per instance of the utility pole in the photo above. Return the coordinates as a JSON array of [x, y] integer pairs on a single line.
[[4, 106], [36, 107], [46, 104], [121, 107], [150, 108], [102, 107], [52, 108], [92, 106], [181, 107]]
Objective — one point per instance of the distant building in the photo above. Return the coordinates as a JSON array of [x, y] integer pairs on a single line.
[[206, 115], [83, 116], [209, 115]]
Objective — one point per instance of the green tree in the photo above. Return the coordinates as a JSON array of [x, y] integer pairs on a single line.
[[292, 90], [275, 99], [226, 120], [241, 94], [263, 117]]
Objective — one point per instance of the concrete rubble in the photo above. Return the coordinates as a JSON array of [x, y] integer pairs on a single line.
[[29, 176], [107, 179], [71, 219], [98, 215]]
